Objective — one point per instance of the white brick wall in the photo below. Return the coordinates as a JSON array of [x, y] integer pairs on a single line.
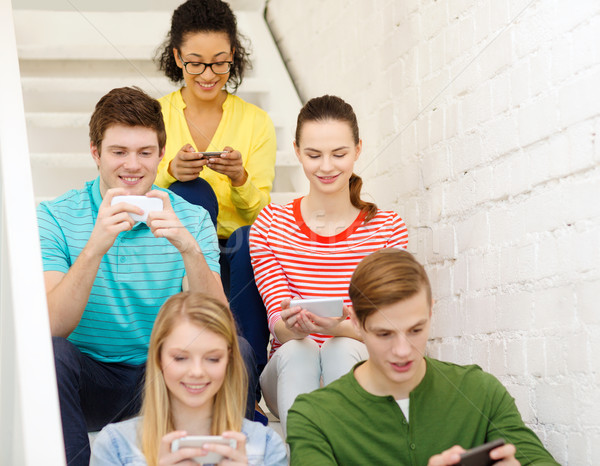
[[485, 117]]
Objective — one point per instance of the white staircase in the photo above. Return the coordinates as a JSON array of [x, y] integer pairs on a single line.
[[69, 59]]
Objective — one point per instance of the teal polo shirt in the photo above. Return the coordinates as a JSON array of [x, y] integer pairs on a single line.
[[136, 276]]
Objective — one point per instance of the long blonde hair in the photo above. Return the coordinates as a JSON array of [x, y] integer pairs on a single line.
[[230, 401]]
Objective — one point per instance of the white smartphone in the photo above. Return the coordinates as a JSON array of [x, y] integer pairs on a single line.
[[197, 441], [148, 204], [323, 307]]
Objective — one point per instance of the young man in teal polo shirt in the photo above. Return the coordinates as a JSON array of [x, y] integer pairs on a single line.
[[107, 275], [399, 407]]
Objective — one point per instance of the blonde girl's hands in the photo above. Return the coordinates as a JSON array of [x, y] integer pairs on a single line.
[[187, 164], [181, 457], [231, 456], [230, 163]]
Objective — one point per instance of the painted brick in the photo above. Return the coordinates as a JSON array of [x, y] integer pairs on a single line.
[[480, 314], [518, 263], [481, 353], [519, 82], [566, 18], [578, 355], [514, 311], [540, 66], [497, 357], [473, 232], [498, 54], [515, 358], [436, 18], [588, 304], [536, 356], [555, 402], [521, 394], [579, 99], [578, 450], [554, 307], [538, 119]]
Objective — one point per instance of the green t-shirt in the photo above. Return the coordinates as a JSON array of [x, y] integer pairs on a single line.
[[453, 405]]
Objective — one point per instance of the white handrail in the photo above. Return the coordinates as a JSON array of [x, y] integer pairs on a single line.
[[30, 428]]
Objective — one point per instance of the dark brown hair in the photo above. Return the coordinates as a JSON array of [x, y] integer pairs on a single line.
[[331, 107], [384, 278], [196, 16], [127, 106]]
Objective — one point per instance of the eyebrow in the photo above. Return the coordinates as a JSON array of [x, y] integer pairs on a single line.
[[382, 329], [317, 150], [116, 146], [200, 56]]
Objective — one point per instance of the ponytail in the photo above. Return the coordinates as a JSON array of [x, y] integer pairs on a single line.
[[369, 208]]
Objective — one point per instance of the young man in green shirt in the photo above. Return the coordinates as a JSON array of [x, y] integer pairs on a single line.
[[400, 407]]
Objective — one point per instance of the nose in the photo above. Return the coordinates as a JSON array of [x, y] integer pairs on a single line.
[[132, 162], [196, 369], [402, 347], [326, 163], [208, 73]]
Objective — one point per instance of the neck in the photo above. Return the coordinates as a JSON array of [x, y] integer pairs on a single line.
[[193, 421], [203, 106], [329, 207]]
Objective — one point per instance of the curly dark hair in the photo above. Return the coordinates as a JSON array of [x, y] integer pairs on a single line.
[[203, 16]]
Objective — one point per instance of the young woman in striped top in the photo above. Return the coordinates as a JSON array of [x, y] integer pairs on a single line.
[[309, 248]]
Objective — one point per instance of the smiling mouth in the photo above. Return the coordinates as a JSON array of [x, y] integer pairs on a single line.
[[328, 179], [131, 179], [195, 388], [207, 85]]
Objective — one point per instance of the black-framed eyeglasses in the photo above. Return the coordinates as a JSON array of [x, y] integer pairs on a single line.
[[196, 67]]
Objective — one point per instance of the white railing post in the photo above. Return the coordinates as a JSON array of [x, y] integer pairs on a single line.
[[30, 428]]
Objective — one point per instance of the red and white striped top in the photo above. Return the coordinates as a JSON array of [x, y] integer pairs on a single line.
[[291, 261]]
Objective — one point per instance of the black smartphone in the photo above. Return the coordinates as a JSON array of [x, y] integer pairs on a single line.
[[211, 154], [480, 456]]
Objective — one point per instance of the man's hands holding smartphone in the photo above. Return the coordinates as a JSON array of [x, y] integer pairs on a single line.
[[495, 452]]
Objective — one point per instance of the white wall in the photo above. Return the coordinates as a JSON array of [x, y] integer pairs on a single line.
[[481, 125]]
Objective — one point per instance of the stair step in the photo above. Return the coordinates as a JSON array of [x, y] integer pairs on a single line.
[[80, 94]]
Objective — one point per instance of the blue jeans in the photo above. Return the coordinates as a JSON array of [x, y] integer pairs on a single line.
[[93, 394], [198, 192]]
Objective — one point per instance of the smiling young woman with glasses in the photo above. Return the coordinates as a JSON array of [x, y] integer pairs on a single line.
[[203, 50]]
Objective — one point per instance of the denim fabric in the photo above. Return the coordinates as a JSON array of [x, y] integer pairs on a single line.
[[117, 444]]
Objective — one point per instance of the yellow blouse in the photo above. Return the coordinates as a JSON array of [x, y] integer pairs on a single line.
[[246, 128]]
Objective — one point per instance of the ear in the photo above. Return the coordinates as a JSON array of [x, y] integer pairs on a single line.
[[431, 308], [177, 60], [296, 150], [354, 320], [162, 153], [358, 149], [95, 153]]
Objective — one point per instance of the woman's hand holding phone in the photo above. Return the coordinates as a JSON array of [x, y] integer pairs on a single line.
[[231, 456], [288, 327], [231, 165], [187, 164]]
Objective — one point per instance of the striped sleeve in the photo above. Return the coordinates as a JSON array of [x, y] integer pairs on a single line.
[[268, 272], [399, 236]]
